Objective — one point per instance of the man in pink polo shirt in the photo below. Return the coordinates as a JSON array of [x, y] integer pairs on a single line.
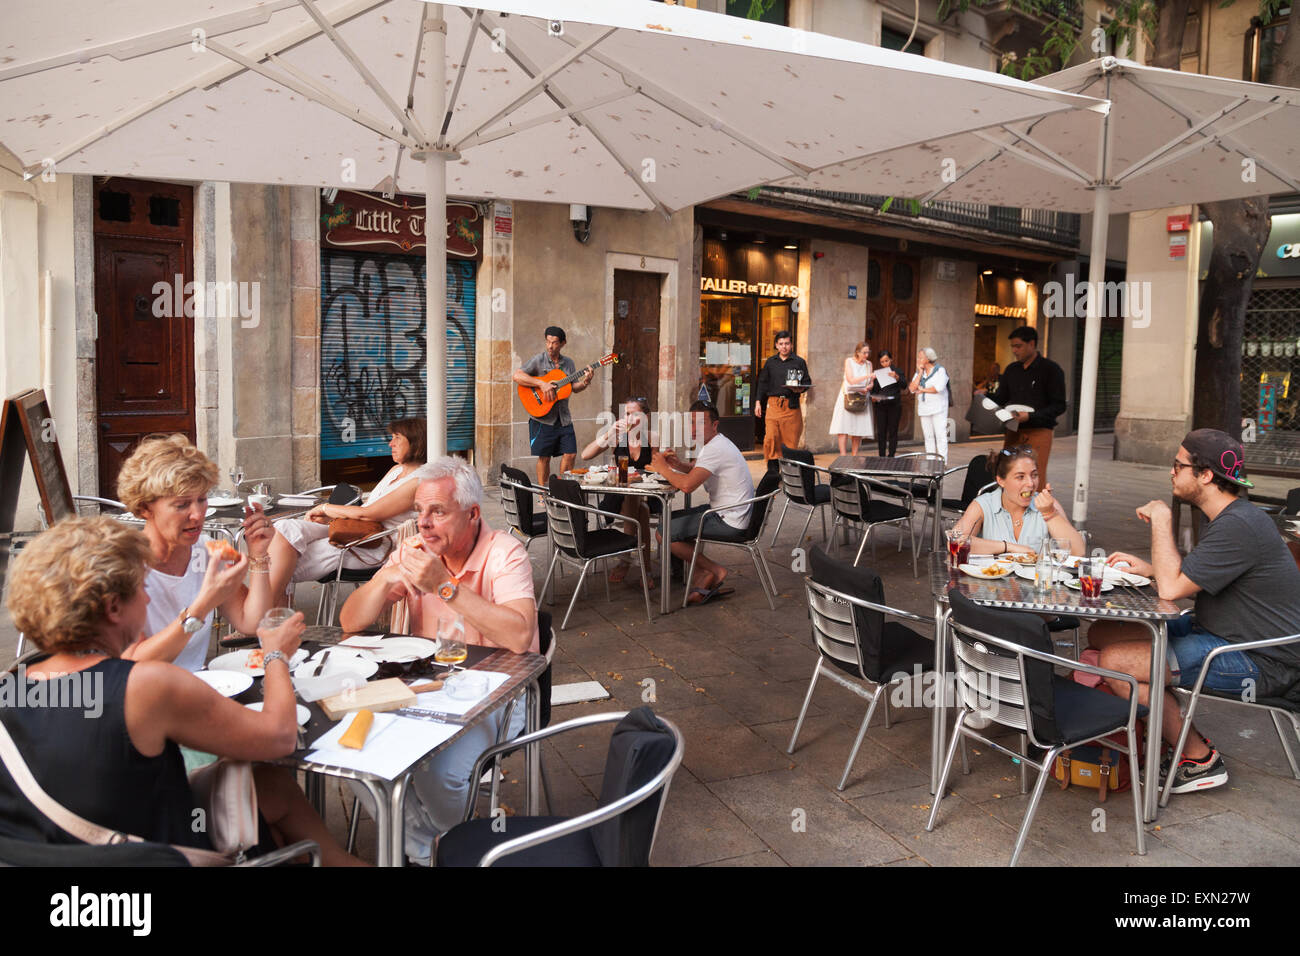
[[456, 565]]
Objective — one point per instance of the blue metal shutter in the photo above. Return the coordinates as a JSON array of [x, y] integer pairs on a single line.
[[372, 358]]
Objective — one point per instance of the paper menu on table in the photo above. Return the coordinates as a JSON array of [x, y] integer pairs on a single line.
[[394, 743], [441, 702]]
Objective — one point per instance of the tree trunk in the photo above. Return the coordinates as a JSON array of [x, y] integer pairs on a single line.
[[1240, 232], [1168, 53]]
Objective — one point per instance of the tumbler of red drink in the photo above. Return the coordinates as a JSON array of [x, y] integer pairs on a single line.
[[958, 548], [1091, 571]]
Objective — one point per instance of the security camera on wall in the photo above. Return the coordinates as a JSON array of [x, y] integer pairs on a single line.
[[580, 216]]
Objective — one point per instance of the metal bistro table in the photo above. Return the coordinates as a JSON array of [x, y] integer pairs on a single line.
[[641, 489], [1138, 605], [929, 470], [523, 671]]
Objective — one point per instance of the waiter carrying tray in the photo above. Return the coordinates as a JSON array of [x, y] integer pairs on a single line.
[[1035, 381], [783, 379]]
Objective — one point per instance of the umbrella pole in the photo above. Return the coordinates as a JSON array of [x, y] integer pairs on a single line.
[[435, 249], [1091, 348]]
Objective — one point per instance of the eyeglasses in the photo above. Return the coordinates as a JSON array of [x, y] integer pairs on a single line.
[[1181, 464]]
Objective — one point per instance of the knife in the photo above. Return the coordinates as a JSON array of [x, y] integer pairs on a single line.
[[321, 666]]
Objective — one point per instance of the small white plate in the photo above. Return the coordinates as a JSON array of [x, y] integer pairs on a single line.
[[223, 501], [303, 713], [227, 683], [238, 661], [401, 650], [341, 661], [978, 571], [1073, 585]]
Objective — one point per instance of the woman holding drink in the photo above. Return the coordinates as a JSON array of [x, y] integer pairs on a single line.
[[633, 447], [1016, 518]]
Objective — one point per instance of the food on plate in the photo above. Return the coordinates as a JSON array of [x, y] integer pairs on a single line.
[[1020, 558], [221, 550], [993, 571], [578, 471], [256, 659], [355, 735]]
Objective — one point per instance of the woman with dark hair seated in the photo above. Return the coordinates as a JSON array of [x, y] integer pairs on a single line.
[[112, 754], [1016, 517], [301, 550], [629, 436]]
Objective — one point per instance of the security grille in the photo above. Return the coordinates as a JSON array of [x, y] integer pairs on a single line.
[[1110, 370], [1270, 377]]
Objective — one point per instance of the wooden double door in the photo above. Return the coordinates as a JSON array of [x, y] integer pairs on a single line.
[[144, 368], [893, 293]]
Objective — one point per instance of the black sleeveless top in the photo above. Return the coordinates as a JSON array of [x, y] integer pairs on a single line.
[[82, 756], [642, 461]]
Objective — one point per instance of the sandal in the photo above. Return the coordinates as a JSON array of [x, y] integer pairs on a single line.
[[704, 594]]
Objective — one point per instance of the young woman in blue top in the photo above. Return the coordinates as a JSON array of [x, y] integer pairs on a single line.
[[1016, 517]]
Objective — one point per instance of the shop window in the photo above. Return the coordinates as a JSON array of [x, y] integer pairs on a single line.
[[164, 211], [114, 206]]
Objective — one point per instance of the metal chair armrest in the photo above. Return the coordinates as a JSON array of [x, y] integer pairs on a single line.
[[588, 509], [738, 504], [353, 546], [285, 854], [107, 502]]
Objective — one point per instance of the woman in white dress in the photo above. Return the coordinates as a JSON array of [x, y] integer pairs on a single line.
[[301, 550], [930, 386], [165, 481], [855, 425]]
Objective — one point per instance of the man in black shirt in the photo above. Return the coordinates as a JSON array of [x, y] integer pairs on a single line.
[[1038, 382], [783, 379]]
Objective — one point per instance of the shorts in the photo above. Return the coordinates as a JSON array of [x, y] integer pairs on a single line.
[[544, 440], [686, 525], [1188, 645]]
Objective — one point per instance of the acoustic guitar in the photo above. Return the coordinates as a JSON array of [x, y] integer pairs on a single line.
[[531, 396]]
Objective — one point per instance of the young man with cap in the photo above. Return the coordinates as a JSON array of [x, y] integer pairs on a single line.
[[784, 378], [1038, 382], [1246, 586], [552, 433]]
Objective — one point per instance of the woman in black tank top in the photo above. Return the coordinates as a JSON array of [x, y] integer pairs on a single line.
[[630, 436], [104, 736]]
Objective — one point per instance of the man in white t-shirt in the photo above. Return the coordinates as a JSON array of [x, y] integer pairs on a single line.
[[722, 470]]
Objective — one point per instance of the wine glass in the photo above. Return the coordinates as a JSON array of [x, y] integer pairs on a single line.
[[237, 476], [1060, 548]]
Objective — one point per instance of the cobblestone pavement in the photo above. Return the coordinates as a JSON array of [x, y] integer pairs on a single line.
[[732, 675]]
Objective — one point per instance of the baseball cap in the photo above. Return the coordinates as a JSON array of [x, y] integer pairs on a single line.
[[556, 331], [1221, 450]]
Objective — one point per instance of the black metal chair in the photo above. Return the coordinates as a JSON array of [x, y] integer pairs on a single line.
[[24, 853], [345, 494], [848, 611], [517, 502], [574, 542], [1283, 710], [1009, 677], [644, 752], [747, 539], [881, 504], [1292, 506], [801, 482]]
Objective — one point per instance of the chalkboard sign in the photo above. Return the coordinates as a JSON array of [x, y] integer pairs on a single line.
[[27, 433]]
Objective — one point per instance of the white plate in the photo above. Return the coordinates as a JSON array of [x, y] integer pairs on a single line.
[[238, 661], [977, 571], [1027, 572], [303, 713], [224, 682], [223, 501], [401, 649], [340, 662], [1073, 585]]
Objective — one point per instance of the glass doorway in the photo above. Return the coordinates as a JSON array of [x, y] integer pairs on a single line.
[[735, 339]]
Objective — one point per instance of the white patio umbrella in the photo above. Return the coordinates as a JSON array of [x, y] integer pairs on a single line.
[[1169, 138], [630, 104]]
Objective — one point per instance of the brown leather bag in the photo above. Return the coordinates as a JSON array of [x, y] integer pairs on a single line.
[[345, 531]]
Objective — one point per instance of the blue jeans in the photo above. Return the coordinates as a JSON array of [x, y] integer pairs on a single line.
[[1188, 646]]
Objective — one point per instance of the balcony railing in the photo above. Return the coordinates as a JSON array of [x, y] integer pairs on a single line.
[[1044, 225]]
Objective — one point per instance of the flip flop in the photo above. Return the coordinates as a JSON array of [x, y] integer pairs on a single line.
[[723, 591], [705, 595]]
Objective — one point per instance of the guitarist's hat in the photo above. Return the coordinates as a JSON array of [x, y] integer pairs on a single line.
[[557, 332]]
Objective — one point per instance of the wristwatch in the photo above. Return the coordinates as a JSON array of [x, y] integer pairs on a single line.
[[189, 623], [447, 589], [274, 656]]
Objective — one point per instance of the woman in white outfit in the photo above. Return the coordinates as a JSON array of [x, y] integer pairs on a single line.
[[301, 550], [930, 386], [844, 423], [165, 481]]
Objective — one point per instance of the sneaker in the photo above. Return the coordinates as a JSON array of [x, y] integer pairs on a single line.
[[1204, 774]]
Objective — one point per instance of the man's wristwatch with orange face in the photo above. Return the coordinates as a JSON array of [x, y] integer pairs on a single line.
[[447, 589]]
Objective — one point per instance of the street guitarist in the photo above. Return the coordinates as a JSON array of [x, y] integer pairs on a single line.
[[552, 433]]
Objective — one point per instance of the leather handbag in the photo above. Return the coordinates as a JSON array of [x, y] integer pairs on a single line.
[[855, 401], [80, 827], [224, 789], [344, 531]]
